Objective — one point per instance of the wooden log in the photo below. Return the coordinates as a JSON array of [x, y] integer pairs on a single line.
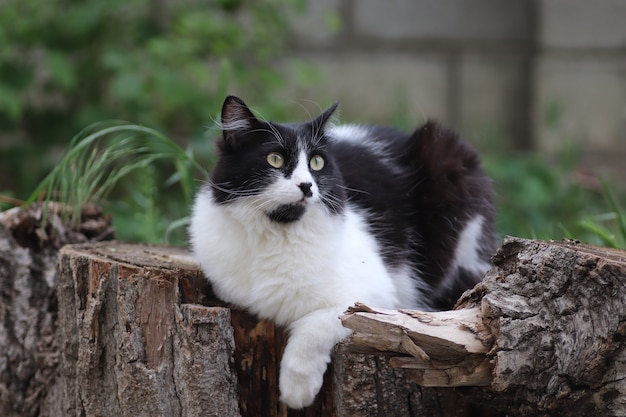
[[448, 349], [129, 346], [542, 334], [29, 350]]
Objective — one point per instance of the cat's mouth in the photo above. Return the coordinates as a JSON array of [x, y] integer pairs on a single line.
[[288, 213]]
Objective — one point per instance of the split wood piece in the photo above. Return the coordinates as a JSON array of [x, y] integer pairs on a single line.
[[543, 334], [448, 349]]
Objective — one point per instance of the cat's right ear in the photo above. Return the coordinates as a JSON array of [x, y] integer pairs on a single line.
[[236, 118]]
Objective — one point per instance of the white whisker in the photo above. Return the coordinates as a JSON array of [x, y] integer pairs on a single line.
[[271, 129], [353, 189]]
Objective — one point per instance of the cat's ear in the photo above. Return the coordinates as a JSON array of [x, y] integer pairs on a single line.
[[236, 117], [320, 121]]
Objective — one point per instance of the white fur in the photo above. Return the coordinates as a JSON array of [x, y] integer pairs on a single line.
[[302, 174], [409, 291], [302, 274], [349, 132], [235, 124], [363, 135], [466, 254]]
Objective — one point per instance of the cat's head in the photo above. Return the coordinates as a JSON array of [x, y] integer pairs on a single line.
[[280, 170]]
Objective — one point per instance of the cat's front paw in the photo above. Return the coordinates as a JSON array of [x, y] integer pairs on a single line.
[[307, 354], [299, 386]]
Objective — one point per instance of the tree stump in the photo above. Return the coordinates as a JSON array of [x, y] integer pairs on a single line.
[[131, 342], [142, 334], [542, 335], [29, 350]]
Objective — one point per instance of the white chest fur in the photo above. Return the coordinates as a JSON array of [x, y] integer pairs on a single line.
[[284, 271]]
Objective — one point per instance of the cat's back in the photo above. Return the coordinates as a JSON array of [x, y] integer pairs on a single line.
[[367, 141], [369, 159], [377, 183]]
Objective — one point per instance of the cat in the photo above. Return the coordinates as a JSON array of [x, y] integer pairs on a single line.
[[299, 221]]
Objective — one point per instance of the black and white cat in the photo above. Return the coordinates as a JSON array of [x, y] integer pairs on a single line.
[[300, 221]]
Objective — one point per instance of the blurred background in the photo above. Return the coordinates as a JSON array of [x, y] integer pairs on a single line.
[[539, 87]]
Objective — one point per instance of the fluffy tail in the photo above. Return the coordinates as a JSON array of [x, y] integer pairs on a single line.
[[456, 212]]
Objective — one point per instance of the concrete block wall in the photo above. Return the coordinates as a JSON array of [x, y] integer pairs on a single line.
[[581, 69], [531, 74]]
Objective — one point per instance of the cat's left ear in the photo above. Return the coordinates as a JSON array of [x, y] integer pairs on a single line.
[[320, 121], [236, 117]]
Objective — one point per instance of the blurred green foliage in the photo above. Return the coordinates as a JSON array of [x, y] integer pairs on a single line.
[[550, 198], [65, 64]]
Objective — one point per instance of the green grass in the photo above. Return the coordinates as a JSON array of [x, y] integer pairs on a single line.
[[121, 166], [609, 227], [543, 199]]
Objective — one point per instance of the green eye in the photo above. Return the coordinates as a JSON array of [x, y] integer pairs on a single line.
[[316, 163], [275, 159]]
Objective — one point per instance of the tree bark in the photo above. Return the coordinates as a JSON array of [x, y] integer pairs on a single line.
[[366, 385], [129, 346], [542, 334], [29, 350]]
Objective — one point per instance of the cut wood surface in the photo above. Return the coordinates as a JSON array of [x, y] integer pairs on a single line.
[[543, 334]]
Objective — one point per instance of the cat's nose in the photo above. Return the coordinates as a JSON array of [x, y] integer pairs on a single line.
[[306, 189]]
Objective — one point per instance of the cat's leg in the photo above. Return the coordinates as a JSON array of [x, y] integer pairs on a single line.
[[307, 354]]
